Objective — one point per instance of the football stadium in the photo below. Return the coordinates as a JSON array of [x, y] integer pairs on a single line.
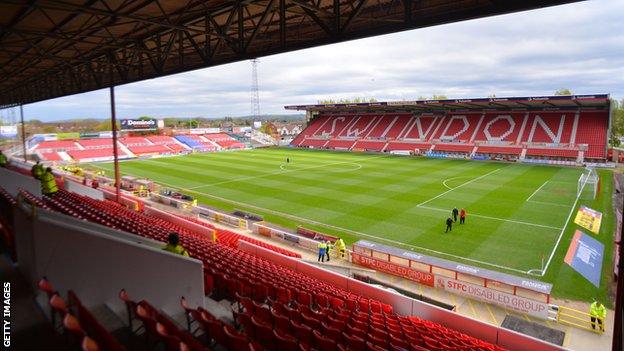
[[484, 223]]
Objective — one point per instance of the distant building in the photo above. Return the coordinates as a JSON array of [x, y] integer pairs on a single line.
[[288, 129]]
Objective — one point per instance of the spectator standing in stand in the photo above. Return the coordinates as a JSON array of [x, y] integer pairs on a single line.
[[4, 161], [37, 170], [48, 183]]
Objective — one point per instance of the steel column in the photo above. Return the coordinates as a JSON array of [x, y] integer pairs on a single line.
[[115, 154], [23, 132]]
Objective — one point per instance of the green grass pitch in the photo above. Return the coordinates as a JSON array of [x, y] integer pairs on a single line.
[[516, 212]]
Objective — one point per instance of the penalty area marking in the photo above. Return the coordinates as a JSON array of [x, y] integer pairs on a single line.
[[535, 192], [449, 179], [457, 187], [542, 272], [496, 218], [544, 202]]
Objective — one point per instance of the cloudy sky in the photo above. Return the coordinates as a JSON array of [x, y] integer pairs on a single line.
[[578, 46]]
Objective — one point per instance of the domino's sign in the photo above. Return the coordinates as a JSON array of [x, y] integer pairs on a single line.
[[139, 124]]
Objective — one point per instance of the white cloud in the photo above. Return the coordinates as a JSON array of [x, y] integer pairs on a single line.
[[578, 46]]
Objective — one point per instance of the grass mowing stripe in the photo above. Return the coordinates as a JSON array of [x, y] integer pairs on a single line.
[[544, 269], [459, 186], [536, 190], [276, 173], [380, 200], [495, 218]]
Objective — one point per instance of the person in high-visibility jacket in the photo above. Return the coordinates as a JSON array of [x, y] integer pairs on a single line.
[[598, 313], [328, 246], [322, 248], [37, 170], [342, 247], [4, 161], [173, 245], [48, 183]]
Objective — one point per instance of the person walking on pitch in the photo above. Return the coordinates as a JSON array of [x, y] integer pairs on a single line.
[[455, 212], [462, 216], [449, 224]]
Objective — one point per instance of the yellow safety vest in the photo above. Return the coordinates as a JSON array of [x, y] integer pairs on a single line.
[[341, 244], [48, 183], [178, 249], [597, 310], [3, 160], [322, 246], [37, 171]]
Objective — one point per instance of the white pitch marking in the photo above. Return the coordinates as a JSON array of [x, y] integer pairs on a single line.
[[457, 187], [552, 253], [496, 218], [357, 168], [282, 171], [549, 203], [335, 227], [536, 190], [449, 179]]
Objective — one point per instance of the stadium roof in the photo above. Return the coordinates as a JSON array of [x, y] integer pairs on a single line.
[[534, 102], [53, 48]]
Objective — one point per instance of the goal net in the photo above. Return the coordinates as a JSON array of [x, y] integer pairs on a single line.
[[588, 184]]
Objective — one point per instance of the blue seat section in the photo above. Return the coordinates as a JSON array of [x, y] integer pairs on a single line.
[[194, 144]]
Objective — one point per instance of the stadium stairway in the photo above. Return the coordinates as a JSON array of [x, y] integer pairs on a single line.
[[29, 328]]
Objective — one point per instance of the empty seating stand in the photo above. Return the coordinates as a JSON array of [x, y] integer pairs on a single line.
[[552, 152], [7, 234], [102, 153], [566, 130], [370, 145], [150, 149], [225, 141], [195, 142], [350, 319], [50, 156], [58, 145], [454, 148], [76, 322], [231, 238], [100, 143], [171, 143], [505, 150]]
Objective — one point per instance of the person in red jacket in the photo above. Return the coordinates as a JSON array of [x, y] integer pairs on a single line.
[[462, 216]]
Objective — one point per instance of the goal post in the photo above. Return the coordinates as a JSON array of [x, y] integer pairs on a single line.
[[588, 184]]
